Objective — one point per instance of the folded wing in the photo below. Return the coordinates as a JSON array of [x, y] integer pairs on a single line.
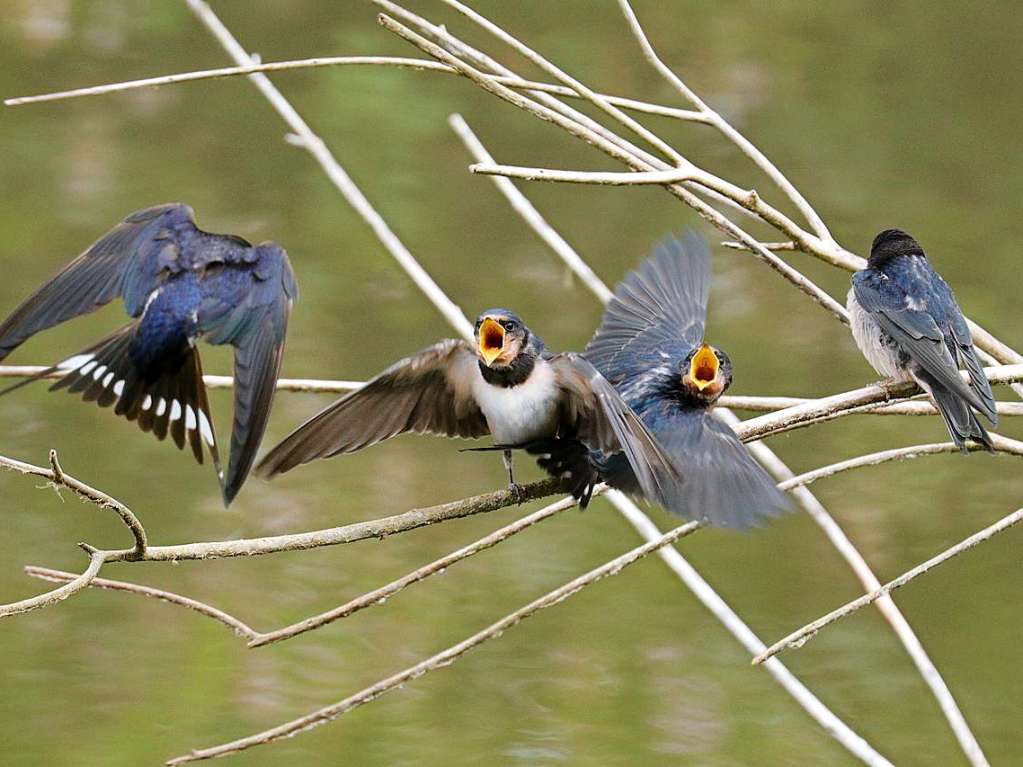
[[257, 327], [934, 339]]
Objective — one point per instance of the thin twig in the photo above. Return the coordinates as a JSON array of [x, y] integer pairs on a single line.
[[746, 198], [337, 175], [772, 246], [916, 407], [847, 403], [334, 536], [800, 637], [600, 178], [59, 576], [426, 65], [319, 385], [1002, 445], [57, 475], [97, 558], [377, 596], [441, 659], [76, 584], [746, 146]]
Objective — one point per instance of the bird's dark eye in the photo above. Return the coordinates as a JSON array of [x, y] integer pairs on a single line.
[[510, 324]]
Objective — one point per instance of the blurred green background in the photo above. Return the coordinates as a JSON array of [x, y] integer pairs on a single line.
[[900, 114]]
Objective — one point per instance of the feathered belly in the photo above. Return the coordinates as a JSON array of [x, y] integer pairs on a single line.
[[522, 413], [877, 346]]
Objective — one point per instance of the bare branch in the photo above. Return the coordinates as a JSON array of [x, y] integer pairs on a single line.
[[759, 404], [213, 382], [337, 175], [847, 403], [334, 536], [1001, 444], [59, 576], [613, 149], [441, 659], [425, 65], [803, 635], [604, 178], [747, 147], [774, 247], [97, 558], [377, 596], [76, 584]]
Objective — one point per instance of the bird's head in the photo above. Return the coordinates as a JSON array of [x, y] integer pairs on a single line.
[[706, 373], [500, 337], [892, 243]]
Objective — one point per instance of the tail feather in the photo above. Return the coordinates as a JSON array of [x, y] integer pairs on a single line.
[[170, 401], [960, 420]]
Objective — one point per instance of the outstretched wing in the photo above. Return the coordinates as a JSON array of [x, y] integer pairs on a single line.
[[659, 309], [428, 392], [256, 325], [594, 413], [127, 262], [931, 329], [724, 484]]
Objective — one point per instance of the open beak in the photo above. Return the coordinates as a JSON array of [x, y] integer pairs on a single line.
[[703, 369], [491, 340]]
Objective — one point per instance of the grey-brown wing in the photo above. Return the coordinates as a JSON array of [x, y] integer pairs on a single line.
[[429, 392], [597, 415], [127, 262]]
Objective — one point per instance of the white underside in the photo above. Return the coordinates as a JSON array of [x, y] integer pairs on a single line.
[[874, 342], [519, 414]]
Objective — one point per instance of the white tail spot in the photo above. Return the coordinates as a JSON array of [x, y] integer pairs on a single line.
[[205, 428], [108, 379], [73, 363], [147, 402], [189, 418], [161, 406], [98, 372], [84, 369], [175, 413], [119, 388]]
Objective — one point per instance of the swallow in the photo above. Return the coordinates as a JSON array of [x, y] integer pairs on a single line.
[[178, 284], [650, 346], [504, 384], [908, 325]]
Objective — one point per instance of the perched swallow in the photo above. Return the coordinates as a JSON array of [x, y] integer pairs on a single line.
[[910, 328], [506, 384], [650, 347], [178, 283]]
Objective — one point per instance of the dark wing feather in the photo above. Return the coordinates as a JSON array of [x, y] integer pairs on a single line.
[[724, 484], [257, 328], [125, 262], [968, 354], [660, 308], [920, 336], [594, 412], [428, 392]]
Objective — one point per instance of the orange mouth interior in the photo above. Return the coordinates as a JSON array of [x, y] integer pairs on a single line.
[[703, 368], [491, 340]]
